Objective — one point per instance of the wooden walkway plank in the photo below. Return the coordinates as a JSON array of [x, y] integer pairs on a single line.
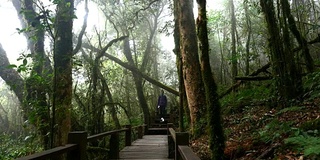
[[152, 147]]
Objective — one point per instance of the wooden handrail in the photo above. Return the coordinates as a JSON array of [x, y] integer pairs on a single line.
[[136, 127], [173, 134], [187, 153], [101, 135], [50, 153], [77, 143], [178, 145]]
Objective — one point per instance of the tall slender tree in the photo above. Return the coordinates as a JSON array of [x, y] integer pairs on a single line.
[[62, 92], [234, 58], [212, 99]]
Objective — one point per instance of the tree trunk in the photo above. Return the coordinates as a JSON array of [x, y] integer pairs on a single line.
[[248, 23], [301, 40], [182, 93], [111, 106], [138, 83], [234, 58], [62, 91], [216, 135], [35, 83], [191, 67], [11, 76], [283, 63]]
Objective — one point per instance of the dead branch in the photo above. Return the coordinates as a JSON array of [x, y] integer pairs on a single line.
[[239, 82], [253, 78]]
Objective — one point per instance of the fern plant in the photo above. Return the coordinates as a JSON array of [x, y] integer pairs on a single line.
[[312, 85], [275, 131], [309, 145]]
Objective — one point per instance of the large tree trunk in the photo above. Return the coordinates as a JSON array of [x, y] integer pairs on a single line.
[[183, 108], [191, 67], [212, 99], [62, 92]]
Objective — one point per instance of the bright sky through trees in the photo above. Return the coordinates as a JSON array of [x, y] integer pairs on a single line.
[[15, 43]]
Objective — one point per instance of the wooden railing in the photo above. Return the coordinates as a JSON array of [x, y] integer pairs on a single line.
[[178, 145], [78, 141]]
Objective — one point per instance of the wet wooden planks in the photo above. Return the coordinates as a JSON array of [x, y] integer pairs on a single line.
[[152, 147]]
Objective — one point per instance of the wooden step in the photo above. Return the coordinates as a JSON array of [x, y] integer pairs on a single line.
[[157, 131], [158, 125]]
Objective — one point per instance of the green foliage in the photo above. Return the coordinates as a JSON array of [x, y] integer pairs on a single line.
[[275, 131], [11, 148], [305, 143], [252, 94], [25, 66], [290, 109], [312, 85]]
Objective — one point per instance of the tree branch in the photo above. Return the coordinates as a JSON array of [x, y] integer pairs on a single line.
[[133, 69], [83, 29]]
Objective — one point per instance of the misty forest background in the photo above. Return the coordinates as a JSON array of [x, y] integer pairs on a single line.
[[243, 79]]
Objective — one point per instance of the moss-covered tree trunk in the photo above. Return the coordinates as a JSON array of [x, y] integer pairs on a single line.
[[183, 104], [301, 40], [138, 82], [287, 79], [63, 71], [212, 99], [36, 82], [35, 103], [191, 67], [112, 105], [234, 58]]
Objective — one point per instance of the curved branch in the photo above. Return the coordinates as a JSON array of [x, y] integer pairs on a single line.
[[102, 52], [11, 76], [83, 29], [134, 69]]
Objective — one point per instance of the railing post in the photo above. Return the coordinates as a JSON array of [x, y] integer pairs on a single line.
[[114, 146], [182, 138], [128, 135], [140, 132], [170, 142], [146, 129], [80, 138]]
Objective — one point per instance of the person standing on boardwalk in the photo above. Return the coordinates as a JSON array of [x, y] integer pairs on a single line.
[[162, 104]]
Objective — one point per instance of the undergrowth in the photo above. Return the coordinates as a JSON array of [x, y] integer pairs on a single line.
[[254, 123], [11, 148]]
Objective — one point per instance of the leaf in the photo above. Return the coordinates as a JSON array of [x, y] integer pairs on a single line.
[[68, 5], [12, 66], [25, 61], [26, 138]]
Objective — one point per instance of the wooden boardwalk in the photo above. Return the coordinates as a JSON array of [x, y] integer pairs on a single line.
[[152, 147]]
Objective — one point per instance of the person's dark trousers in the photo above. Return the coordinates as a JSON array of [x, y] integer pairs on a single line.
[[162, 111]]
